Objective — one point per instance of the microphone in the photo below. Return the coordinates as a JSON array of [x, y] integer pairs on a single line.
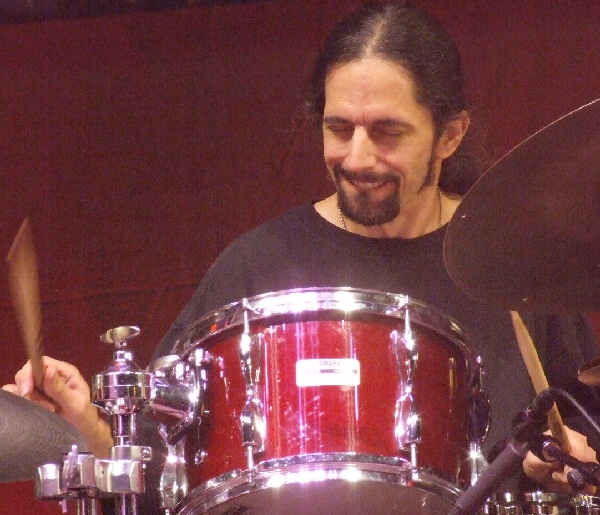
[[537, 412], [502, 468], [510, 460]]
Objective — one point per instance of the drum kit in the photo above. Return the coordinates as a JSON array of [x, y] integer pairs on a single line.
[[283, 402]]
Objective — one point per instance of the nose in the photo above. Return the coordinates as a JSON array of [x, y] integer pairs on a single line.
[[361, 151]]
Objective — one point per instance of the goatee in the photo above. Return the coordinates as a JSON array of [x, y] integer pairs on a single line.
[[361, 208]]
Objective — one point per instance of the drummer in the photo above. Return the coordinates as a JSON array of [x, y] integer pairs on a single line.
[[387, 93]]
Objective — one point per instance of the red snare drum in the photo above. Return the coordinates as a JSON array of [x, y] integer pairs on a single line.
[[327, 386]]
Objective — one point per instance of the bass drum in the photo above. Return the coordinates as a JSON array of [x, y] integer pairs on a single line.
[[331, 401]]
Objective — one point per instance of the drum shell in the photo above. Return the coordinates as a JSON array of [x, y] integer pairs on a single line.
[[358, 419]]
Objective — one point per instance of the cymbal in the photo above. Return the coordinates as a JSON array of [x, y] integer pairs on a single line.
[[31, 436], [526, 237]]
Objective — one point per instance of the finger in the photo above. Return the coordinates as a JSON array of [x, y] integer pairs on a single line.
[[69, 373], [72, 404], [41, 399], [27, 389], [56, 386], [24, 380], [12, 388]]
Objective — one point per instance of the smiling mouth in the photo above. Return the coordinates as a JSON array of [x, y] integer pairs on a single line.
[[365, 180], [368, 184]]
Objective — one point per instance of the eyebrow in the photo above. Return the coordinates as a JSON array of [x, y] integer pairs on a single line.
[[382, 122]]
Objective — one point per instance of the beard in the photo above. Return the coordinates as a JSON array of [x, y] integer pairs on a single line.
[[361, 208]]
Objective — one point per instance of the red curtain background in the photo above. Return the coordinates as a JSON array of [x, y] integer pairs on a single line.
[[140, 145]]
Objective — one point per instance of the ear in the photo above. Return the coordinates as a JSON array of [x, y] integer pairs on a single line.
[[452, 135]]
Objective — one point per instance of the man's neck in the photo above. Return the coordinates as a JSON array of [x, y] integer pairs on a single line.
[[406, 225]]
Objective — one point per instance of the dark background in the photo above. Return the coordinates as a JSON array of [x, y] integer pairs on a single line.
[[140, 143]]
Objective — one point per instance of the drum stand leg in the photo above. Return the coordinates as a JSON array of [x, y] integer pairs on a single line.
[[249, 457], [126, 504], [86, 506], [413, 455]]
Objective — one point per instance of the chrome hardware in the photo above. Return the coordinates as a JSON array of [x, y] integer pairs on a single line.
[[122, 477], [480, 409], [480, 418], [71, 480], [199, 457], [178, 392], [173, 480], [123, 388], [407, 418], [122, 391], [178, 402], [252, 418]]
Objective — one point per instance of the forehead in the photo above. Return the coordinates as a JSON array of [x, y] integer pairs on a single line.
[[371, 87]]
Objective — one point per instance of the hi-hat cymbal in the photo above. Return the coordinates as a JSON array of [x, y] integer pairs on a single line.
[[31, 436], [527, 235]]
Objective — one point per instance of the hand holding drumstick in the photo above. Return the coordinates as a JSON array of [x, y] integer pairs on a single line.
[[538, 378], [551, 475], [55, 385]]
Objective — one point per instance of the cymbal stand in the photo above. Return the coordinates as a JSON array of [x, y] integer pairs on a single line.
[[173, 395], [73, 479], [121, 391]]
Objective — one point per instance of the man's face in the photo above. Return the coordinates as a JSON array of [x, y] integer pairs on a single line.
[[378, 141]]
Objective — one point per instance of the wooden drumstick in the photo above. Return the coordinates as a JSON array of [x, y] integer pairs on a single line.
[[538, 378], [23, 282]]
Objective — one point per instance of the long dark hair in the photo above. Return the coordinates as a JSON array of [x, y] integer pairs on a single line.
[[414, 39]]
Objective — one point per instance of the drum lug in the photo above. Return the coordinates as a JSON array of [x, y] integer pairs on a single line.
[[173, 480], [480, 410], [253, 425], [407, 427], [252, 418], [200, 456], [479, 419], [178, 393]]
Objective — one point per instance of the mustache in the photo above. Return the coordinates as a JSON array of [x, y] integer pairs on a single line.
[[366, 176]]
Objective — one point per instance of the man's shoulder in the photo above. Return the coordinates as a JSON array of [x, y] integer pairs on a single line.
[[283, 225]]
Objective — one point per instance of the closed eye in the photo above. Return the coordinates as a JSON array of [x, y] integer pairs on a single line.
[[392, 128], [337, 125]]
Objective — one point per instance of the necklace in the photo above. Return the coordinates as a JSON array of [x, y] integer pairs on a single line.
[[341, 216], [439, 196]]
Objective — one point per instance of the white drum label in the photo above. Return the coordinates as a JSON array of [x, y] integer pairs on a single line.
[[328, 372]]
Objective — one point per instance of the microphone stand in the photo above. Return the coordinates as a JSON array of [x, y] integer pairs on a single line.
[[506, 465], [526, 426]]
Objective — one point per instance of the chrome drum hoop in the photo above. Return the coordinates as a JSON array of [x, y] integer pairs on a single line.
[[330, 473], [301, 302]]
